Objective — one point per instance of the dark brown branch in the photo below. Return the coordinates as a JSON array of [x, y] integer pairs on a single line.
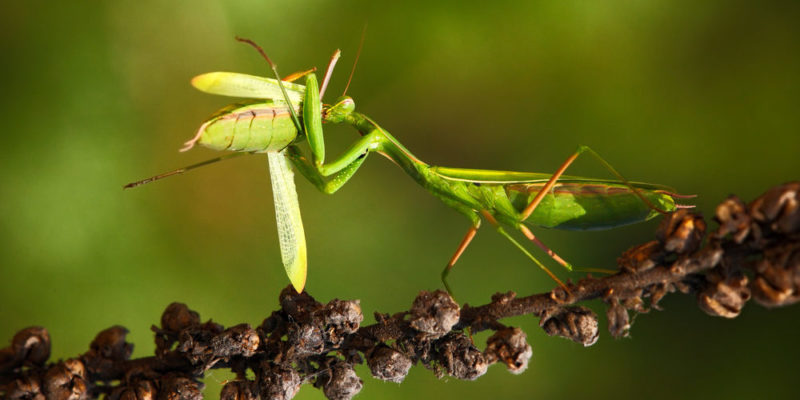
[[755, 253]]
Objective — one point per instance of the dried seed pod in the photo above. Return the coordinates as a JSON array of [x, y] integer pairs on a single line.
[[176, 387], [196, 344], [578, 324], [107, 348], [66, 381], [111, 344], [341, 318], [178, 316], [141, 390], [459, 357], [434, 313], [777, 280], [306, 339], [239, 390], [31, 346], [641, 258], [341, 382], [618, 319], [8, 360], [733, 219], [657, 292], [278, 382], [778, 209], [388, 364], [509, 346], [240, 340], [25, 388], [299, 306], [724, 296], [681, 232]]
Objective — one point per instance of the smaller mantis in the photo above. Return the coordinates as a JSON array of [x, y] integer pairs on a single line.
[[269, 123]]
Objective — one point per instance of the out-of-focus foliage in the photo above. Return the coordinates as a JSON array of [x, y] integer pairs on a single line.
[[700, 95]]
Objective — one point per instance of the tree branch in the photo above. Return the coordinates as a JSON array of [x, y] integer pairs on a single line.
[[755, 252]]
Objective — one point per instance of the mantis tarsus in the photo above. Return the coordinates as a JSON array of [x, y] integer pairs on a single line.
[[268, 122]]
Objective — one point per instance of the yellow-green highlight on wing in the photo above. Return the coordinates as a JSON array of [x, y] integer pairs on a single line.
[[248, 86]]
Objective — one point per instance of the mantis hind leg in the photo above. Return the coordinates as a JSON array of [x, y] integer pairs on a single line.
[[476, 223], [528, 234], [553, 179], [460, 250]]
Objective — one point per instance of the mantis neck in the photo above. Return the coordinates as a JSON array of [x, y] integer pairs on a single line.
[[389, 146]]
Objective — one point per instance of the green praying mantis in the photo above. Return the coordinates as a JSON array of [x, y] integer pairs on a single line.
[[279, 115]]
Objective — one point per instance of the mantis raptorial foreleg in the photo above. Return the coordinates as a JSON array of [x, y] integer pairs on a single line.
[[308, 170], [339, 170]]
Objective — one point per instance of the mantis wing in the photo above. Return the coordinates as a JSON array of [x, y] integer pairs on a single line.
[[514, 177], [287, 215], [242, 85]]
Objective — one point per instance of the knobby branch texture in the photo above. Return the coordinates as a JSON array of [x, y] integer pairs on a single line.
[[754, 253]]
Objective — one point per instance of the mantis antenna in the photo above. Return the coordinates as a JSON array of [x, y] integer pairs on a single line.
[[358, 54]]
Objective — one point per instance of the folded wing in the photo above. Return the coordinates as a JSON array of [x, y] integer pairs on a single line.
[[287, 215], [234, 84]]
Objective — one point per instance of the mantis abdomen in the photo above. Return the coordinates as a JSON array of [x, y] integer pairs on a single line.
[[581, 206], [256, 127]]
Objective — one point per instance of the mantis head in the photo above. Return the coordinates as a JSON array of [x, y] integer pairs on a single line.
[[342, 109]]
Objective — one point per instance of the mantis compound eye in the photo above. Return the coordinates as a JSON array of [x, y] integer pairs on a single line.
[[339, 111]]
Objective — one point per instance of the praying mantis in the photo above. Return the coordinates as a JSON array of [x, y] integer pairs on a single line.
[[279, 115]]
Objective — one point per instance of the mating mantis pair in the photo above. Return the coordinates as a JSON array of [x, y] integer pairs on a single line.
[[269, 123]]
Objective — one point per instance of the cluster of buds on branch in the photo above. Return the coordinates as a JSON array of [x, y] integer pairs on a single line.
[[754, 253]]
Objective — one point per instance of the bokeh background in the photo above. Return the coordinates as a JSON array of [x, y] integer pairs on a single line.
[[702, 96]]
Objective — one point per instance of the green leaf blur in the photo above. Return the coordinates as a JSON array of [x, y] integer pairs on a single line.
[[699, 95]]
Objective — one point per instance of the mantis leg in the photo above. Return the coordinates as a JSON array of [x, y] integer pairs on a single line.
[[553, 179], [528, 234], [312, 118], [341, 169], [476, 223], [493, 221], [297, 75], [308, 170]]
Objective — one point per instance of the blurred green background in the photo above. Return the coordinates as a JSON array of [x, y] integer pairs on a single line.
[[702, 96]]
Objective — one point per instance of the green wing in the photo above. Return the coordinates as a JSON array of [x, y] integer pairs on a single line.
[[287, 215], [515, 177], [242, 85]]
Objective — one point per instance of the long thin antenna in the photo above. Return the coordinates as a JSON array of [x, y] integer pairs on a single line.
[[182, 170], [278, 77], [353, 71]]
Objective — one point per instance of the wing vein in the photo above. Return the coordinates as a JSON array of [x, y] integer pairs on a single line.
[[287, 217]]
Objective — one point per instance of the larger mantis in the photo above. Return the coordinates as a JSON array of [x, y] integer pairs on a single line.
[[269, 123]]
